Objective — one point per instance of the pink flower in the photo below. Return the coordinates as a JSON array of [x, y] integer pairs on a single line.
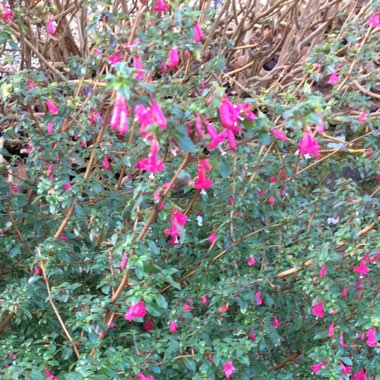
[[173, 327], [115, 58], [136, 311], [119, 118], [344, 292], [331, 330], [49, 375], [202, 182], [216, 138], [341, 340], [361, 375], [252, 336], [278, 134], [186, 308], [67, 186], [212, 238], [138, 67], [198, 125], [345, 368], [51, 28], [251, 261], [6, 13], [177, 220], [50, 128], [173, 60], [374, 20], [271, 200], [52, 107], [94, 116], [37, 270], [333, 78], [276, 323], [30, 84], [148, 325], [140, 376], [228, 369], [308, 145], [371, 337], [258, 298], [124, 261], [198, 35], [317, 309], [362, 268], [363, 117], [224, 308], [229, 115], [106, 163], [317, 367], [151, 164], [161, 6], [320, 128], [322, 273], [204, 299], [158, 115]]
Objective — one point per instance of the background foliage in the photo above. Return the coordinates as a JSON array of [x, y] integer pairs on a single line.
[[84, 228]]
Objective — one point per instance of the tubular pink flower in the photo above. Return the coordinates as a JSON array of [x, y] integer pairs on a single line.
[[173, 327], [115, 58], [333, 78], [258, 298], [360, 375], [138, 67], [374, 20], [124, 261], [371, 337], [204, 299], [151, 164], [278, 134], [322, 273], [362, 268], [120, 114], [50, 128], [346, 369], [161, 6], [231, 139], [341, 340], [198, 125], [331, 330], [276, 323], [67, 186], [216, 138], [148, 325], [52, 107], [228, 369], [177, 220], [173, 60], [317, 309], [198, 35], [6, 13], [51, 28], [202, 182], [136, 311], [251, 261], [212, 238], [308, 145], [317, 367], [158, 115], [229, 115]]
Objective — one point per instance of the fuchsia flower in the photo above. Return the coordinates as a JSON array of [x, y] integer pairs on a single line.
[[173, 327], [204, 299], [322, 273], [251, 261], [346, 369], [148, 325], [6, 13], [229, 369], [224, 308], [177, 220], [37, 270], [333, 78], [371, 337], [198, 125], [148, 116], [279, 134], [331, 330], [308, 145], [161, 6], [50, 128], [138, 67], [115, 58], [95, 115], [318, 366], [106, 163], [361, 375], [173, 60], [67, 186], [186, 308], [362, 268], [363, 117], [140, 376], [258, 298], [229, 115], [51, 28], [119, 118], [276, 323], [374, 20], [216, 138], [158, 115], [344, 292], [212, 238], [124, 261], [198, 35], [252, 336], [136, 311], [52, 107], [151, 164], [202, 182], [49, 375], [341, 340], [317, 309]]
